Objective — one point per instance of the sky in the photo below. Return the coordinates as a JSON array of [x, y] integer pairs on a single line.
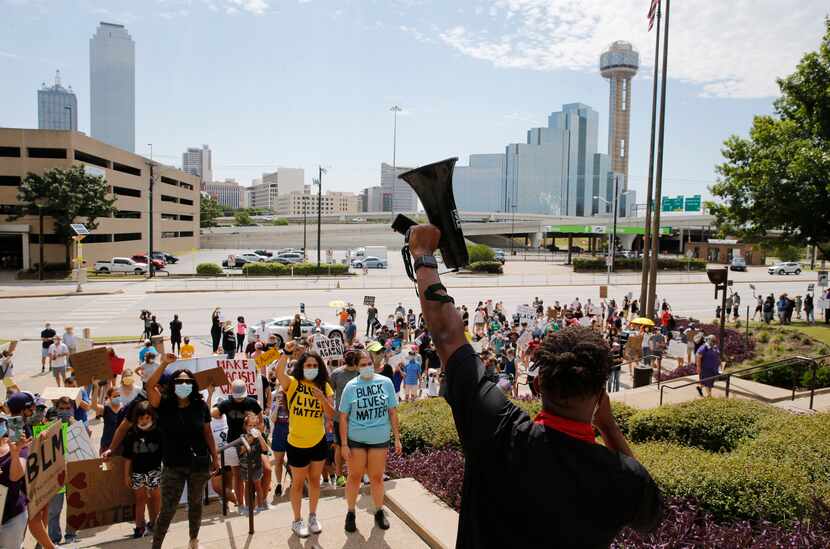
[[304, 83]]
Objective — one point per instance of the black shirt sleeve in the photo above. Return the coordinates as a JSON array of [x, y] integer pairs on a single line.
[[647, 515], [224, 406], [127, 446], [483, 414]]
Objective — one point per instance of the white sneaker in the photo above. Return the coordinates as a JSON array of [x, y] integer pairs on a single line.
[[299, 528], [264, 507], [314, 524]]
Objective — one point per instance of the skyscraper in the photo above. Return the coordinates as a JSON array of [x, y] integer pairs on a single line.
[[404, 199], [479, 187], [112, 86], [198, 162], [57, 107], [619, 64]]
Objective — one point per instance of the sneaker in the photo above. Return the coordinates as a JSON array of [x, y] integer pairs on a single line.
[[148, 529], [278, 491], [264, 507], [341, 481], [299, 528], [699, 390], [381, 520], [314, 524], [350, 523], [138, 533], [242, 509], [72, 538], [365, 479]]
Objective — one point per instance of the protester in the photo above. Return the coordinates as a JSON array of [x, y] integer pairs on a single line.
[[142, 471], [188, 449], [176, 335], [250, 454], [13, 479], [340, 377], [147, 348], [412, 375], [556, 468], [108, 412], [47, 338], [368, 411], [809, 314], [371, 315], [708, 365], [216, 329], [228, 340], [58, 352], [241, 330], [279, 438], [146, 368], [155, 327], [69, 339], [309, 398], [127, 389]]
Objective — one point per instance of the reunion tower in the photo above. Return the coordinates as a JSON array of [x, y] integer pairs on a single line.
[[619, 64]]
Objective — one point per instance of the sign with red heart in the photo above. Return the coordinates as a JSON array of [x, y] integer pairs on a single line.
[[96, 494]]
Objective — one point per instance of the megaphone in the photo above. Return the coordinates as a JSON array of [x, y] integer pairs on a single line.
[[433, 185]]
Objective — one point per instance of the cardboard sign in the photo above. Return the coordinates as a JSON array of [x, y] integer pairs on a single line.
[[633, 347], [78, 444], [676, 348], [267, 358], [369, 300], [526, 313], [96, 495], [117, 364], [240, 368], [45, 468], [603, 292], [89, 365], [328, 348], [524, 339], [158, 343], [585, 321], [214, 376], [54, 393]]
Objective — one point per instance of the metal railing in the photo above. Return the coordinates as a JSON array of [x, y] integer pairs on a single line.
[[812, 362]]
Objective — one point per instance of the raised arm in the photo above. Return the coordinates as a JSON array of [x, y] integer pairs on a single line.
[[442, 319], [153, 393], [282, 377]]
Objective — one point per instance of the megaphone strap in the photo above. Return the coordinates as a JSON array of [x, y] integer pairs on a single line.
[[433, 295]]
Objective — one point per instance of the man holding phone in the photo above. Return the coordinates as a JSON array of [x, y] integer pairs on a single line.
[[567, 491]]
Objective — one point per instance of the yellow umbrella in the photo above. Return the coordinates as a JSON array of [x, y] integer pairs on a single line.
[[643, 321], [337, 304]]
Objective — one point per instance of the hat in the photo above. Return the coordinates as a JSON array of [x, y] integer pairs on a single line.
[[127, 377], [374, 347], [18, 401], [238, 389]]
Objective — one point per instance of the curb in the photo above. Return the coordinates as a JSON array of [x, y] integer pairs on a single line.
[[62, 294]]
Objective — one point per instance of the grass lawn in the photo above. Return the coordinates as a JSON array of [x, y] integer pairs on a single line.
[[819, 332], [3, 341], [112, 340]]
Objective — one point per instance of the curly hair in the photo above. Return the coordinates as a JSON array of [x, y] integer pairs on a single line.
[[573, 362]]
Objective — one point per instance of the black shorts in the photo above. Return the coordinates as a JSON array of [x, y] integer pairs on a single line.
[[364, 446], [301, 457]]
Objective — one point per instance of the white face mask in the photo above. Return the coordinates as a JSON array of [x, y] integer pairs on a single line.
[[254, 432], [366, 372], [310, 373]]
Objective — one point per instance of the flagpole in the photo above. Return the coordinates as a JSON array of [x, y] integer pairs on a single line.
[[658, 184], [644, 291]]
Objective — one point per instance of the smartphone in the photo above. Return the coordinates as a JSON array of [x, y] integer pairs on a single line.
[[17, 427]]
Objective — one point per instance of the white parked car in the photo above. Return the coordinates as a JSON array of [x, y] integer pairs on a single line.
[[369, 262], [251, 257], [288, 258], [120, 265], [789, 267], [279, 326]]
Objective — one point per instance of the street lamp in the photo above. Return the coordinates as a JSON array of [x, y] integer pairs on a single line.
[[321, 171], [612, 238], [40, 202], [395, 110]]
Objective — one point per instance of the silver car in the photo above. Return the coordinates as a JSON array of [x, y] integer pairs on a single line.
[[280, 326], [369, 262], [789, 267]]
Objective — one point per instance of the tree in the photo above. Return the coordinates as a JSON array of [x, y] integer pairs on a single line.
[[243, 219], [210, 209], [72, 196], [778, 179]]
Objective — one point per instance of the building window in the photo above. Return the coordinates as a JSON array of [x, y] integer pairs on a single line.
[[165, 179], [34, 238], [124, 237], [126, 191], [622, 148], [168, 234], [624, 94], [167, 198], [125, 169], [185, 218], [186, 201], [13, 152], [187, 186], [170, 217], [127, 214], [9, 180], [91, 159], [39, 152], [96, 238], [10, 209], [185, 233]]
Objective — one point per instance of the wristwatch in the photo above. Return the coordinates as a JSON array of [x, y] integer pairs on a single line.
[[425, 261]]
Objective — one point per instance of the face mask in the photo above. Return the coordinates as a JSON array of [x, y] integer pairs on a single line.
[[146, 426], [117, 401], [366, 372], [254, 432], [37, 417], [183, 390], [64, 415], [310, 373]]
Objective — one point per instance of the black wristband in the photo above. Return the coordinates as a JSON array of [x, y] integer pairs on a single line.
[[433, 295]]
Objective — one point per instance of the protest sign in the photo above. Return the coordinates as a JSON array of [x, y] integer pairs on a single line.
[[54, 393], [78, 444], [267, 357], [676, 348], [633, 347], [89, 365], [231, 368], [213, 376], [158, 343], [45, 467], [96, 495], [328, 348], [526, 313], [369, 300], [524, 339], [117, 364], [585, 321]]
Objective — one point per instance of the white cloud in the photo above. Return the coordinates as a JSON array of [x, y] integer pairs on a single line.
[[730, 49], [256, 7]]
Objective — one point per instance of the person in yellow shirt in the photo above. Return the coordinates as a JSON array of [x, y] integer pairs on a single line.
[[187, 350], [309, 396]]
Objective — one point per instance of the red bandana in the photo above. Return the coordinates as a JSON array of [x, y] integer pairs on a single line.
[[576, 429]]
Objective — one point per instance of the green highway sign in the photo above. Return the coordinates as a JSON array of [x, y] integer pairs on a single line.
[[681, 203], [692, 204], [672, 204], [598, 229]]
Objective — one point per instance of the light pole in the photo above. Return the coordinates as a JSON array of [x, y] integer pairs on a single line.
[[395, 110], [69, 108], [150, 270], [321, 171], [40, 202], [513, 228], [612, 238]]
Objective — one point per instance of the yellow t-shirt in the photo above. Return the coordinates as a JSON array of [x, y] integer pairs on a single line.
[[306, 422], [187, 350]]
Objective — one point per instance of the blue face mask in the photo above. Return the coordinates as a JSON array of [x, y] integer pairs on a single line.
[[183, 390], [118, 401]]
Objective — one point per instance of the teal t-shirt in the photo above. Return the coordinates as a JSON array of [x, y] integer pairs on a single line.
[[367, 403]]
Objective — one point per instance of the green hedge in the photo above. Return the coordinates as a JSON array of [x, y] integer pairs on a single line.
[[492, 267], [300, 269], [480, 252], [713, 424], [208, 269], [597, 264]]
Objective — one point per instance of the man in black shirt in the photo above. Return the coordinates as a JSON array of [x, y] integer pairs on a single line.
[[47, 337], [563, 489]]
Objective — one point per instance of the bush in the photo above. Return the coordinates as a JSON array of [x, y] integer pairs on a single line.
[[597, 264], [208, 269], [441, 471], [480, 252], [269, 268], [279, 222], [492, 267], [787, 375], [427, 423], [822, 377], [713, 424]]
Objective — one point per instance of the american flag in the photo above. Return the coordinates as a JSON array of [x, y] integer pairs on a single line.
[[652, 11]]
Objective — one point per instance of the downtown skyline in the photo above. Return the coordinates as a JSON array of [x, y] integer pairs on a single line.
[[276, 91]]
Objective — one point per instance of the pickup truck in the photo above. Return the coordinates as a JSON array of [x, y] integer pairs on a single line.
[[120, 265]]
